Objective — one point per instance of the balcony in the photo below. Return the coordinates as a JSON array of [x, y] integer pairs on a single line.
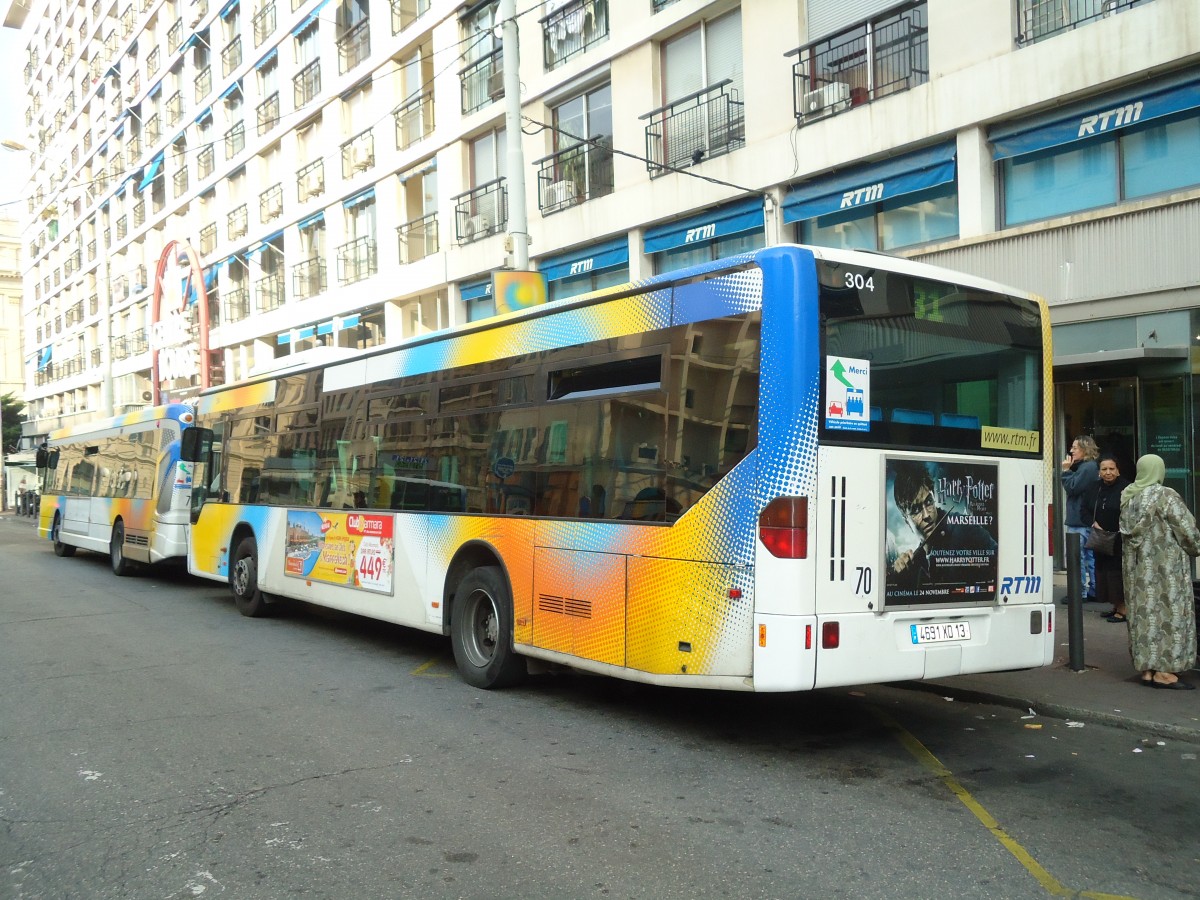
[[237, 222], [127, 22], [708, 123], [405, 12], [96, 357], [264, 23], [357, 260], [268, 292], [572, 29], [203, 83], [309, 278], [577, 173], [208, 239], [307, 83], [1040, 19], [138, 342], [91, 250], [481, 212], [310, 180], [270, 203], [231, 56], [152, 61], [482, 82], [206, 161], [418, 238], [235, 140], [414, 120], [864, 63], [354, 46], [133, 149], [93, 304], [139, 214], [174, 108], [180, 179], [237, 305], [358, 154], [267, 113], [122, 228], [153, 129], [175, 35]]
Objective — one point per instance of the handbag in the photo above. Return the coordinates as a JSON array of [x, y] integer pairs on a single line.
[[1101, 541]]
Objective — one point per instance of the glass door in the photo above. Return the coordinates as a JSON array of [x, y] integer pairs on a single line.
[[1106, 409], [1165, 430]]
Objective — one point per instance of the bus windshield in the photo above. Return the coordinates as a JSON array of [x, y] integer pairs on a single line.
[[952, 368]]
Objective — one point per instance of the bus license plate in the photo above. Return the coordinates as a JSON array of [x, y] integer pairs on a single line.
[[936, 632]]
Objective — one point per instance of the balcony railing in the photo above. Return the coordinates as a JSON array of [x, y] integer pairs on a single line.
[[208, 239], [153, 129], [174, 108], [268, 291], [122, 228], [264, 23], [310, 180], [237, 222], [91, 250], [687, 131], [231, 56], [175, 35], [571, 29], [1040, 19], [357, 260], [268, 113], [270, 203], [869, 61], [152, 61], [203, 83], [235, 140], [133, 149], [418, 238], [307, 83], [354, 46], [481, 211], [405, 12], [577, 173], [96, 357], [237, 305], [139, 214], [206, 161], [181, 180], [358, 154], [482, 82], [414, 120], [308, 278], [138, 342]]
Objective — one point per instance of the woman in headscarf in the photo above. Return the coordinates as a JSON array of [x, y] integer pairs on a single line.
[[1159, 534], [1110, 587]]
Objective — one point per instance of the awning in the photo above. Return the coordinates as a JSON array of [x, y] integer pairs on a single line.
[[597, 258], [263, 244], [866, 185], [45, 358], [311, 220], [309, 19], [475, 290], [359, 199], [157, 89], [227, 9], [151, 172], [1097, 117], [270, 57], [205, 113], [733, 218], [236, 86]]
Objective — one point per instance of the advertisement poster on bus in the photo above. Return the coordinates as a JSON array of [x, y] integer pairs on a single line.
[[348, 549], [940, 532]]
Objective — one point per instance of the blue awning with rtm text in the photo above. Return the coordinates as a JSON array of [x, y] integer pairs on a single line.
[[733, 218], [597, 258]]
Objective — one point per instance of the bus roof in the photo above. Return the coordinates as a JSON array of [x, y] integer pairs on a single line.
[[178, 412]]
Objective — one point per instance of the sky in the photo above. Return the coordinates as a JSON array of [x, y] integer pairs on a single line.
[[14, 166]]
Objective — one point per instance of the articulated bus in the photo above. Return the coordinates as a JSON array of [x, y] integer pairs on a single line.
[[786, 470], [117, 486]]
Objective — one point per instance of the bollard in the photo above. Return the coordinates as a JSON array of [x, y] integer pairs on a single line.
[[1074, 603]]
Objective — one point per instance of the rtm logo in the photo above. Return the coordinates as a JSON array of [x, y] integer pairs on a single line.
[[1122, 115], [1021, 584], [872, 193], [584, 265], [703, 233]]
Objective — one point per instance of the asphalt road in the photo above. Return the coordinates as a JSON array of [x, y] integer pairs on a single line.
[[155, 744]]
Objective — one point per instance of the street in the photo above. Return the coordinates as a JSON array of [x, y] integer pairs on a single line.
[[155, 744]]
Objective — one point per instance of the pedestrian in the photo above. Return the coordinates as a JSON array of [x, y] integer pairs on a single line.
[[1110, 587], [1159, 535], [1081, 482]]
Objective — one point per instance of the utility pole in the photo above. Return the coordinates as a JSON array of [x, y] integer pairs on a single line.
[[518, 215]]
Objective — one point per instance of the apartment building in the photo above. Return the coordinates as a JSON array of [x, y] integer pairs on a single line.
[[337, 172]]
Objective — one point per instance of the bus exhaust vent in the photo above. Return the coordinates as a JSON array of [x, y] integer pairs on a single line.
[[137, 540], [565, 606]]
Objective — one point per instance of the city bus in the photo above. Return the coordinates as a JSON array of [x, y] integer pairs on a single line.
[[117, 486], [791, 469]]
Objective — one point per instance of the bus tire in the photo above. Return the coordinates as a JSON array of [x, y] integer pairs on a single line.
[[243, 580], [481, 630], [60, 549], [116, 551]]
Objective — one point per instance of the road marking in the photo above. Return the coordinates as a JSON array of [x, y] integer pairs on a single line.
[[922, 755], [423, 669]]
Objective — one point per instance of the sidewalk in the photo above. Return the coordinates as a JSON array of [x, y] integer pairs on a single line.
[[1107, 691]]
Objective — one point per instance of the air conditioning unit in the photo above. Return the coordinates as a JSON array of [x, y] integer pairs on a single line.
[[495, 85], [476, 227], [273, 205], [312, 185], [195, 13], [131, 91], [558, 193], [830, 98], [362, 157]]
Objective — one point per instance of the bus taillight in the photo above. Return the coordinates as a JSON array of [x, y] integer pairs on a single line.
[[783, 527]]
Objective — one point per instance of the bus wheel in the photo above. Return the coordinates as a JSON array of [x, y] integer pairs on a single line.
[[481, 630], [243, 579], [116, 551], [60, 549]]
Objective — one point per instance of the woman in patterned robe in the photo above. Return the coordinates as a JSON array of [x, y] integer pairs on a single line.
[[1159, 533]]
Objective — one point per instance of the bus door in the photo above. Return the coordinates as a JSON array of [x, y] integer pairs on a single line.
[[77, 497]]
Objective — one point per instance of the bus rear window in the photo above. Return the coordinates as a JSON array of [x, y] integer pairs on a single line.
[[915, 363]]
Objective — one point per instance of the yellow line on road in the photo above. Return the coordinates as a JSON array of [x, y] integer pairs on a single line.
[[922, 755], [423, 669]]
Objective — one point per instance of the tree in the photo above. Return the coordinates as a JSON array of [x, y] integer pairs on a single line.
[[10, 412]]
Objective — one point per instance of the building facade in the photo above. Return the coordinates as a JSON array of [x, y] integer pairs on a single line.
[[341, 172]]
